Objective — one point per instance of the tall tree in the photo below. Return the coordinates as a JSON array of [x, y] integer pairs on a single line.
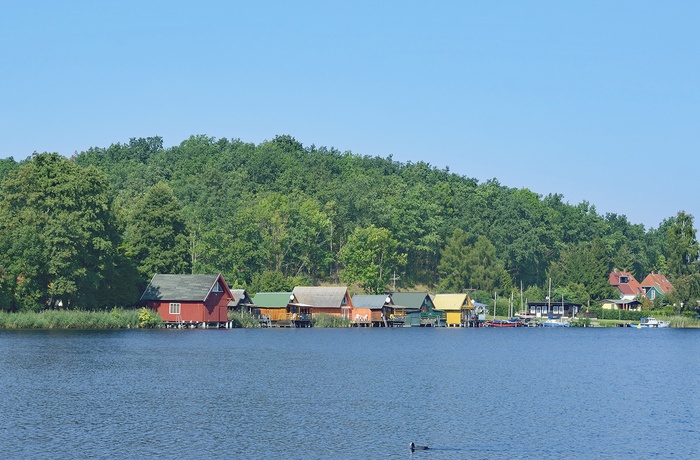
[[156, 234], [682, 246], [454, 266], [583, 269], [58, 233], [369, 257]]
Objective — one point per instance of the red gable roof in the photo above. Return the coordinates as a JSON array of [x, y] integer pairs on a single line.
[[625, 282], [657, 279]]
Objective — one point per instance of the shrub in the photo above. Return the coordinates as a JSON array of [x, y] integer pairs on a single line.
[[243, 319], [148, 319], [581, 322]]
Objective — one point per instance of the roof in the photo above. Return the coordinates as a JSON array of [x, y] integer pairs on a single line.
[[322, 296], [657, 280], [373, 302], [240, 297], [621, 301], [272, 299], [409, 299], [555, 302], [181, 287], [452, 302], [630, 287]]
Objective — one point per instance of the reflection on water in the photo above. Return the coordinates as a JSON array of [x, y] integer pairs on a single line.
[[350, 393]]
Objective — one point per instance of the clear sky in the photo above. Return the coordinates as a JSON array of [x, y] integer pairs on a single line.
[[596, 100]]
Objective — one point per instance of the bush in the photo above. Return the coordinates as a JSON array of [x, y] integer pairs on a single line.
[[624, 315], [581, 322], [148, 319], [243, 319]]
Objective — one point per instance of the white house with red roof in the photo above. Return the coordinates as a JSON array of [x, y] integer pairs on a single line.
[[654, 285], [626, 283]]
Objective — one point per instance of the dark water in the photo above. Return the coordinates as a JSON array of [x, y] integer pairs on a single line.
[[351, 393]]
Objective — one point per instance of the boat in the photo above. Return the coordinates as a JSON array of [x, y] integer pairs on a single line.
[[651, 322], [555, 321], [512, 322]]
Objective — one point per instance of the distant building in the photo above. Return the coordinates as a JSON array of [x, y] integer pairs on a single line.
[[199, 299], [655, 285], [332, 300], [625, 282], [458, 308], [241, 301], [621, 304]]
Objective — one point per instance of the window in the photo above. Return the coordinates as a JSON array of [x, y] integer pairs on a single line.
[[624, 279], [217, 287], [174, 308]]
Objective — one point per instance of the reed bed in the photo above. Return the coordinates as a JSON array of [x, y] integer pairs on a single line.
[[326, 320], [243, 319], [79, 319], [683, 322]]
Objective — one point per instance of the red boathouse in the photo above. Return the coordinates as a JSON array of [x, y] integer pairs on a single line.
[[197, 299]]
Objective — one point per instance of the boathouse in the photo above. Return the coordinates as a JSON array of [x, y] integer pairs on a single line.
[[271, 307], [197, 300], [417, 308], [331, 300], [458, 308], [241, 301], [375, 311]]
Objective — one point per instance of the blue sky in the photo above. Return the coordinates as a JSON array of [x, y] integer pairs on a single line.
[[595, 100]]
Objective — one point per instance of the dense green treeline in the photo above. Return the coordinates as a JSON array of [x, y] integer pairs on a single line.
[[91, 231]]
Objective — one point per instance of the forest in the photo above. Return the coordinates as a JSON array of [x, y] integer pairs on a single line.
[[88, 232]]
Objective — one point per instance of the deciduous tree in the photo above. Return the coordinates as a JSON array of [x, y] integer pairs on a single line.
[[369, 257], [156, 234], [58, 234]]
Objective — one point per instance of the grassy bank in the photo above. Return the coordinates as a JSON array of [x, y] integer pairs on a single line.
[[78, 319]]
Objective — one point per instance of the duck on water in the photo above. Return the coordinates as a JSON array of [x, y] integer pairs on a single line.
[[414, 447]]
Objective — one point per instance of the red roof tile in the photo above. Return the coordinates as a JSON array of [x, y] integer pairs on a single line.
[[625, 282], [657, 279]]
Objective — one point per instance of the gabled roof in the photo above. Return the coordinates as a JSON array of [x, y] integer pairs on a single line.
[[240, 297], [182, 287], [626, 283], [322, 296], [373, 302], [658, 280], [272, 299], [452, 302], [409, 299]]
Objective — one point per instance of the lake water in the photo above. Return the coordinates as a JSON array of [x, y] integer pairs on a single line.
[[351, 393]]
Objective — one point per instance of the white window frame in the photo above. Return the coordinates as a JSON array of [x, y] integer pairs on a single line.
[[175, 308], [217, 288]]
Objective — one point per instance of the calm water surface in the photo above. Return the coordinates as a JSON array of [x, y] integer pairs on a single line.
[[351, 393]]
